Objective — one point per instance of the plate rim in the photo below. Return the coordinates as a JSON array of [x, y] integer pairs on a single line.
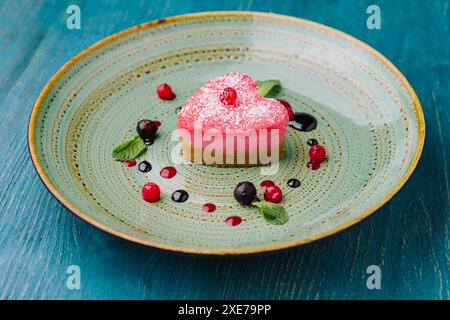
[[200, 15]]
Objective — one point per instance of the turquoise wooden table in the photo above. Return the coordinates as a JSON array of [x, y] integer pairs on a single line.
[[39, 239]]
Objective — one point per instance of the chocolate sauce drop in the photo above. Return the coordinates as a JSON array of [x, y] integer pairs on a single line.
[[209, 207], [313, 165], [293, 183], [180, 196], [303, 122], [145, 166], [129, 163]]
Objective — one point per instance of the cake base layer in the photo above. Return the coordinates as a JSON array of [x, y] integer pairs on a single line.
[[233, 159]]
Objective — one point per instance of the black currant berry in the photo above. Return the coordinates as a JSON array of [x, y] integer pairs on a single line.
[[146, 129], [145, 166], [245, 193]]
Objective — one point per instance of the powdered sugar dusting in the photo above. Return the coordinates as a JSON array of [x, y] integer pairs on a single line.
[[251, 111]]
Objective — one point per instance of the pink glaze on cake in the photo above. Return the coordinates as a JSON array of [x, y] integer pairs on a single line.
[[250, 112]]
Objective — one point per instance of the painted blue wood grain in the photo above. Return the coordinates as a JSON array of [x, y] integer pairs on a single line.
[[408, 238]]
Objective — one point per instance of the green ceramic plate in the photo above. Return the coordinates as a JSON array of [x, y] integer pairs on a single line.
[[369, 119]]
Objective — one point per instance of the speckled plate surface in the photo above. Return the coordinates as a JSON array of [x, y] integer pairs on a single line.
[[369, 119]]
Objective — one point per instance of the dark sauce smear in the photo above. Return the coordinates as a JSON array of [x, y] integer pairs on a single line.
[[149, 142], [313, 165], [129, 163], [180, 196], [293, 183], [145, 166], [303, 122]]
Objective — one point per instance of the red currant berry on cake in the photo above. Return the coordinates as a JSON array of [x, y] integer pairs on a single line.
[[151, 192], [165, 92], [317, 153], [288, 107], [273, 194], [228, 96]]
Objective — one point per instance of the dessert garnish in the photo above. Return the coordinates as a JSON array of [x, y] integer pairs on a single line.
[[180, 196], [151, 192], [269, 88], [228, 96], [245, 194], [266, 183], [132, 149], [273, 194], [317, 155], [233, 221], [129, 150], [209, 207], [288, 107], [313, 165], [168, 172], [293, 183], [273, 213], [303, 122], [145, 166], [299, 121], [165, 92], [312, 142], [146, 129]]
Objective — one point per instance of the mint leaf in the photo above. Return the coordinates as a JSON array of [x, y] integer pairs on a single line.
[[129, 150], [273, 213], [269, 88]]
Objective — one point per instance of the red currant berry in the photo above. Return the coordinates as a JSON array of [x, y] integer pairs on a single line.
[[228, 96], [151, 192], [288, 107], [157, 123], [317, 153], [273, 194], [165, 92], [266, 183]]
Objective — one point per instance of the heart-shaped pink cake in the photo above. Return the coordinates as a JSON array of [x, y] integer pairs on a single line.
[[227, 122]]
